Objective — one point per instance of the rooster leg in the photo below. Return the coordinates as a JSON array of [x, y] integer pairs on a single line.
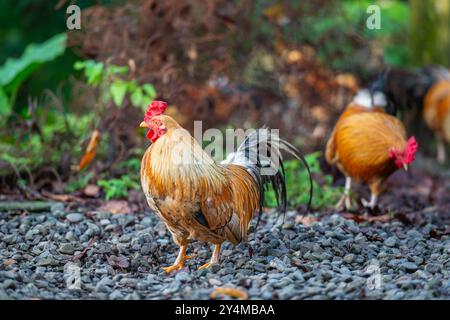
[[373, 201], [179, 263], [214, 258], [345, 201], [440, 151]]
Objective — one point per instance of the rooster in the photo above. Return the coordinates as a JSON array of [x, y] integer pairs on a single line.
[[364, 101], [427, 89], [199, 199], [436, 114], [368, 145]]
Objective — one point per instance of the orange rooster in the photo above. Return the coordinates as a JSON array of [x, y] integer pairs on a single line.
[[368, 145], [200, 200]]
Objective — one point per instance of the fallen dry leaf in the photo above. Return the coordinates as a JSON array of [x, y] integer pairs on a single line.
[[61, 197], [366, 217], [118, 262], [231, 292], [275, 11], [90, 151], [306, 220], [115, 207], [83, 253], [92, 190]]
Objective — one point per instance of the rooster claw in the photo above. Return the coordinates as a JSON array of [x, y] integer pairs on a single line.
[[365, 203], [344, 203], [207, 265], [371, 208], [368, 205], [177, 266]]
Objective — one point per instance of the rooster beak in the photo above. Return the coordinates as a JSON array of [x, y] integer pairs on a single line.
[[143, 125], [405, 166]]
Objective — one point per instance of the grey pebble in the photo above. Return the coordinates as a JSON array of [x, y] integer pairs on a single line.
[[348, 258], [409, 266], [67, 248], [390, 242], [116, 295], [74, 217]]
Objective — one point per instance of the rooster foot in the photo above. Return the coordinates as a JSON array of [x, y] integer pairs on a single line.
[[366, 204], [370, 205], [176, 266], [344, 203], [214, 259], [207, 265]]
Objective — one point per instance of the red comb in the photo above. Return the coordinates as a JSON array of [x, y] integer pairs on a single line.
[[411, 148], [155, 109]]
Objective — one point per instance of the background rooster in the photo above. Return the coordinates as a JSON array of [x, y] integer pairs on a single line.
[[368, 145], [199, 199], [364, 101], [426, 89]]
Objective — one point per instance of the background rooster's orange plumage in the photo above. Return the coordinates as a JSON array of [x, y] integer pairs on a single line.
[[436, 113], [363, 102], [368, 146], [195, 197]]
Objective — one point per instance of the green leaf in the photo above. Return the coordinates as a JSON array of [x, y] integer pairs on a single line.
[[113, 69], [118, 90], [93, 72], [149, 90], [136, 97], [79, 65], [16, 70], [5, 106]]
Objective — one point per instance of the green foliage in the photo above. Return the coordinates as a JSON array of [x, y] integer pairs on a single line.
[[297, 184], [395, 17], [32, 150], [133, 164], [118, 188], [338, 31], [130, 179], [112, 86], [16, 70], [79, 182]]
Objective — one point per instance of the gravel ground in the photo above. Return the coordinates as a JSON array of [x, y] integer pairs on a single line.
[[120, 257]]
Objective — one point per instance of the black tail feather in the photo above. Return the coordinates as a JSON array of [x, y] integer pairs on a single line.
[[278, 182]]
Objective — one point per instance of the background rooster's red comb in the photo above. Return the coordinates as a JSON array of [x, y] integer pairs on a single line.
[[411, 148], [154, 109]]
